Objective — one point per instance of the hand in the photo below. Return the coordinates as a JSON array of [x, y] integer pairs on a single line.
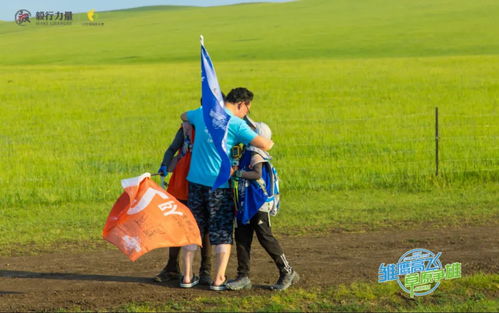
[[271, 145], [233, 170], [262, 143], [163, 171]]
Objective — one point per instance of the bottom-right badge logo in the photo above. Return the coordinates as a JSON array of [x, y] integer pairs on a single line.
[[419, 272]]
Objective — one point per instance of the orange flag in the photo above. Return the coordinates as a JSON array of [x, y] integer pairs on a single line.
[[146, 217]]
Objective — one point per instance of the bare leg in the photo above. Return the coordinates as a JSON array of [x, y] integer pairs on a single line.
[[222, 253], [188, 253]]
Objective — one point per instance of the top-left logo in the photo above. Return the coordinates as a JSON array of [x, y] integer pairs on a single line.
[[22, 17], [46, 18]]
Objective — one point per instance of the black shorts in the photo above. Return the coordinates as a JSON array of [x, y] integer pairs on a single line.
[[213, 211]]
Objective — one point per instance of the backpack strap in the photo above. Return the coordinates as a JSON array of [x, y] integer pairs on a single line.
[[188, 130], [261, 182], [264, 154]]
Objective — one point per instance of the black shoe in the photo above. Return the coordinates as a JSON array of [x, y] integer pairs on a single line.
[[194, 282], [285, 280], [165, 276], [242, 282], [205, 279]]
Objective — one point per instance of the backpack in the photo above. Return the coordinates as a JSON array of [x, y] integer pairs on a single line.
[[272, 193], [257, 195]]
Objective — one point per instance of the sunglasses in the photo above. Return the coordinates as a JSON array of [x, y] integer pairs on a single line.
[[247, 107]]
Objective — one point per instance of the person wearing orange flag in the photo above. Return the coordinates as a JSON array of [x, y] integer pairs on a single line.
[[177, 186], [176, 159]]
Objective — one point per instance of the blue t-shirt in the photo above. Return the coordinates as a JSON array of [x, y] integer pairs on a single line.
[[205, 162]]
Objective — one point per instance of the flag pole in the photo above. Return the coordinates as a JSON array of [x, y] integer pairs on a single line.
[[163, 183]]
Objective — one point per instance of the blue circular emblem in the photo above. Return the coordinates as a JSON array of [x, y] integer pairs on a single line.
[[429, 261]]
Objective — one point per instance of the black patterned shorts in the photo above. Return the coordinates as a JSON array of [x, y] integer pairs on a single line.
[[213, 211]]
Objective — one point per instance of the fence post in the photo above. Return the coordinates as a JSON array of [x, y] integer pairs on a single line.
[[436, 141]]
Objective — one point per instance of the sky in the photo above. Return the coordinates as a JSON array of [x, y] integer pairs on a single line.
[[8, 8]]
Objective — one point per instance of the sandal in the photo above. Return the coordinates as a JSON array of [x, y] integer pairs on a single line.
[[221, 287], [194, 282]]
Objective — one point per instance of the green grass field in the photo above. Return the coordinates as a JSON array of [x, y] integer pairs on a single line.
[[361, 151], [470, 294], [348, 88]]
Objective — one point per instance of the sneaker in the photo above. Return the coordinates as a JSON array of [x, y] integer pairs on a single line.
[[239, 283], [285, 280], [164, 277], [194, 282], [205, 279], [221, 287]]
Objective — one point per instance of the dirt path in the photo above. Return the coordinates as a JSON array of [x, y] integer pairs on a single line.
[[106, 279]]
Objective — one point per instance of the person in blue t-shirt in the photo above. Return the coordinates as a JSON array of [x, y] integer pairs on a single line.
[[214, 210]]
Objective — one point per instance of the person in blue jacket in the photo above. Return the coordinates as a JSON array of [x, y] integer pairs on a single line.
[[254, 175]]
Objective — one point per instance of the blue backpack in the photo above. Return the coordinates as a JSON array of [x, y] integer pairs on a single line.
[[262, 194]]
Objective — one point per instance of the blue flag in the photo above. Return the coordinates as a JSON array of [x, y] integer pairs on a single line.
[[214, 115]]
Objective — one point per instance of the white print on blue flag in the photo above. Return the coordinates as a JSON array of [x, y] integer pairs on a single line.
[[214, 115]]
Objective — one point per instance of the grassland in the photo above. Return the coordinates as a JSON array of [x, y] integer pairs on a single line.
[[474, 293], [357, 135], [305, 29]]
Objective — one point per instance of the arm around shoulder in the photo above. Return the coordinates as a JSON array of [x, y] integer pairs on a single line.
[[262, 143]]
